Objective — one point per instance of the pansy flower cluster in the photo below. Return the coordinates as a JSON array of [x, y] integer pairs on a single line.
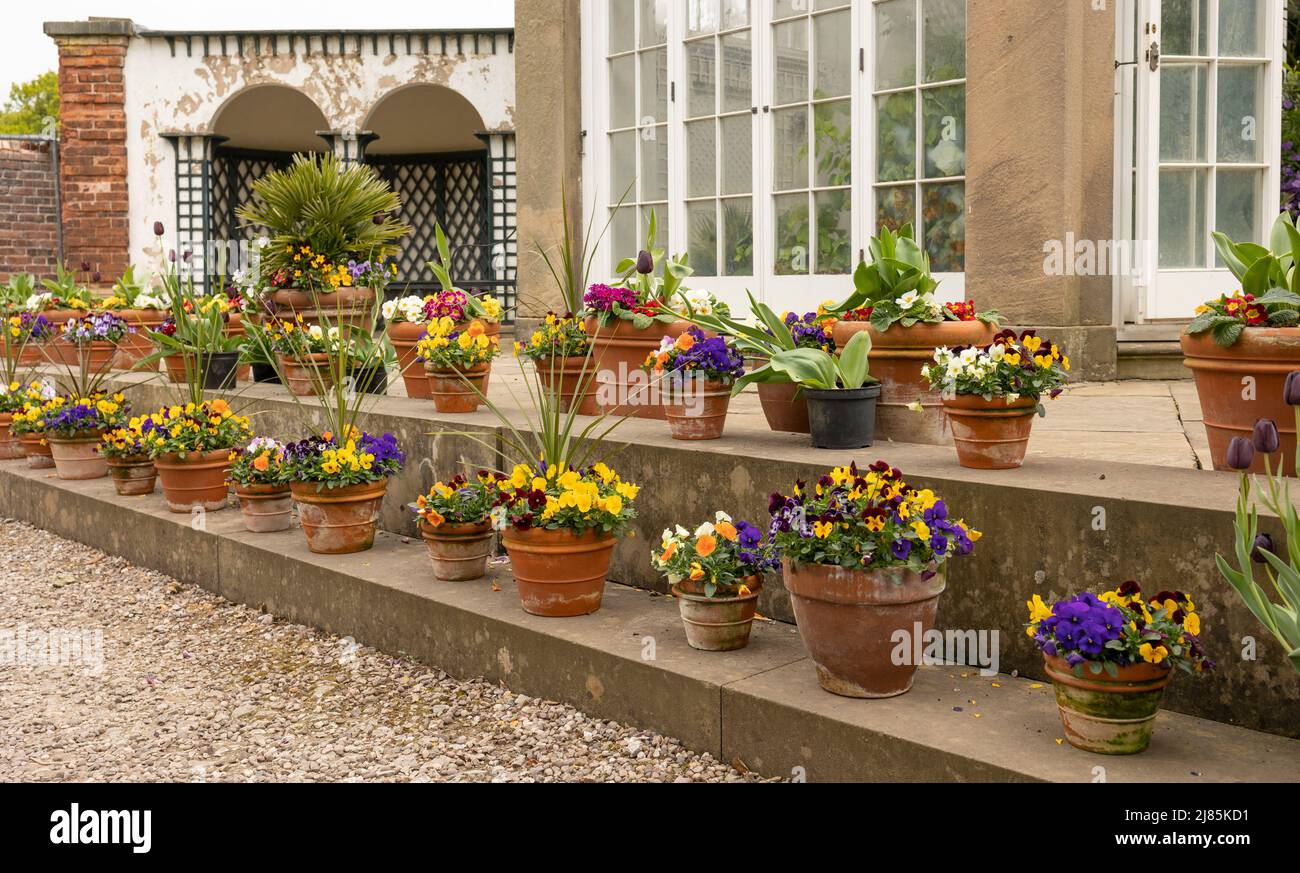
[[448, 345], [720, 557], [1119, 628], [317, 271], [712, 357], [195, 427], [698, 301], [297, 338], [101, 327], [810, 330], [72, 416], [261, 462], [459, 500], [557, 498], [359, 459], [12, 396], [126, 440], [867, 520], [1011, 366], [26, 327], [29, 416], [558, 336]]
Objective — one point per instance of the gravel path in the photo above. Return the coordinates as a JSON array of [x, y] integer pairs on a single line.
[[174, 683]]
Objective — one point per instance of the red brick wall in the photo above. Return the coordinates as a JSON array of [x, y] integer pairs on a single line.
[[92, 154], [28, 221]]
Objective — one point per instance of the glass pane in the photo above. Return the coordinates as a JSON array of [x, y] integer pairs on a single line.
[[661, 230], [791, 234], [944, 114], [622, 26], [623, 240], [622, 165], [701, 78], [737, 68], [833, 51], [654, 163], [654, 22], [1183, 235], [702, 237], [895, 44], [833, 127], [786, 8], [896, 137], [1236, 204], [1182, 112], [943, 223], [735, 13], [790, 148], [943, 39], [622, 93], [701, 16], [790, 67], [1239, 113], [1186, 27], [834, 230], [701, 155], [1241, 28], [738, 237], [737, 155], [895, 207], [654, 86]]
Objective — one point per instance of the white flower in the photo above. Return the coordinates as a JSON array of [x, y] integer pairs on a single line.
[[261, 242], [968, 355], [700, 301], [37, 301], [997, 352], [705, 529], [498, 516], [682, 532], [315, 331], [722, 518], [387, 310], [333, 332], [145, 300], [942, 354], [908, 299], [1012, 397]]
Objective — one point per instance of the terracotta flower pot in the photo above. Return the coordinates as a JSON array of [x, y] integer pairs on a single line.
[[10, 448], [459, 551], [718, 624], [28, 352], [59, 317], [618, 351], [309, 375], [1110, 715], [1230, 404], [405, 336], [696, 409], [265, 508], [347, 307], [98, 356], [568, 376], [784, 406], [679, 327], [175, 365], [897, 358], [194, 480], [78, 457], [451, 389], [235, 327], [848, 618], [338, 521], [133, 474], [37, 451], [135, 347], [559, 572], [990, 434]]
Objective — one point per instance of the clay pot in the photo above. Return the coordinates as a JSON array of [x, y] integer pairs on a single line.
[[347, 307], [28, 353], [37, 451], [265, 508], [59, 317], [308, 375], [451, 391], [133, 474], [405, 337], [897, 358], [135, 347], [1264, 355], [566, 377], [459, 551], [618, 351], [1110, 715], [235, 327], [194, 480], [990, 434], [10, 448], [175, 366], [842, 418], [559, 572], [98, 357], [784, 406], [338, 521], [848, 618], [696, 409], [718, 624], [78, 457]]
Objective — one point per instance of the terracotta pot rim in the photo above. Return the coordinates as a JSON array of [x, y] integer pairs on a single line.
[[1199, 350], [306, 492], [1132, 679], [476, 370], [129, 460], [81, 437], [810, 582], [455, 530], [543, 535], [206, 458], [754, 589], [976, 402], [261, 490]]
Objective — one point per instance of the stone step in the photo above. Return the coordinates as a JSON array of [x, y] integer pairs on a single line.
[[760, 707]]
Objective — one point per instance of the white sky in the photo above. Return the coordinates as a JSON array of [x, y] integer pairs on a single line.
[[28, 52]]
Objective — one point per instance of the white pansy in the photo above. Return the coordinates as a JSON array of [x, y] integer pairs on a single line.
[[387, 310], [682, 532], [968, 355], [698, 300], [38, 301], [262, 242], [705, 529], [942, 354], [908, 299], [722, 518], [1012, 397], [315, 331], [145, 300], [498, 516]]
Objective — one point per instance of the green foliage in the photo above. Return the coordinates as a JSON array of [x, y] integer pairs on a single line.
[[816, 368], [32, 107], [898, 265], [1267, 275]]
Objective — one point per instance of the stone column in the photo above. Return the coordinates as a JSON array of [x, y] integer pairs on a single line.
[[1040, 137], [92, 141]]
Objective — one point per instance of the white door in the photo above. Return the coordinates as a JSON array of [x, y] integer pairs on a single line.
[[1208, 147]]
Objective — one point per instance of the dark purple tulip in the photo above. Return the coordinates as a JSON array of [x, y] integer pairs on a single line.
[[379, 218], [1241, 454], [187, 255], [1265, 437], [158, 228], [1263, 543], [85, 266], [645, 263], [171, 255], [1291, 393], [96, 276]]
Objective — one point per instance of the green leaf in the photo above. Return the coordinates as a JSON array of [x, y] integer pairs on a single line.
[[853, 360], [1226, 335], [812, 368]]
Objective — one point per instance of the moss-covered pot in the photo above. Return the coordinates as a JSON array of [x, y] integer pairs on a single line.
[[1110, 715]]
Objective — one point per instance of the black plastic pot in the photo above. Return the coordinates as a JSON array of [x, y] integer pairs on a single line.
[[370, 380], [843, 418], [219, 369], [266, 373]]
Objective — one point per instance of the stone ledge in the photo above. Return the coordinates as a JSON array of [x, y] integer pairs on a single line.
[[760, 705]]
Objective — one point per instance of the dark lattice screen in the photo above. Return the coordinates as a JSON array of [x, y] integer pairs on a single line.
[[233, 173]]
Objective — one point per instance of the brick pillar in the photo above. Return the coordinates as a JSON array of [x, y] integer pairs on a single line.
[[92, 142]]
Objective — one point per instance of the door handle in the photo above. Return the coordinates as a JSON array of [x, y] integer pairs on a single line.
[[1153, 56]]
